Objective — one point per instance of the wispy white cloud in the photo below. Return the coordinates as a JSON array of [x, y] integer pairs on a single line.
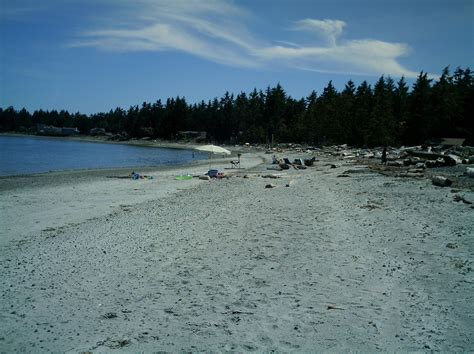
[[17, 9], [329, 30], [215, 30], [207, 29], [360, 57]]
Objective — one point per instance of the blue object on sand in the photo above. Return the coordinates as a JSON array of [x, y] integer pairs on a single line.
[[212, 173]]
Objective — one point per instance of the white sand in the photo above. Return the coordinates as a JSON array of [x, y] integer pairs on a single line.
[[366, 262], [73, 197]]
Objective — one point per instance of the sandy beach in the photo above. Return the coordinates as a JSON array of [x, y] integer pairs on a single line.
[[366, 262]]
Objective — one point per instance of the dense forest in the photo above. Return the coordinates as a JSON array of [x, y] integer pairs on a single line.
[[389, 113]]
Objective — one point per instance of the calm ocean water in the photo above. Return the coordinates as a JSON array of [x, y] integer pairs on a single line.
[[20, 155]]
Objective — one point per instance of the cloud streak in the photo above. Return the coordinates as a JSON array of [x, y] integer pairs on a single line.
[[216, 30], [329, 30]]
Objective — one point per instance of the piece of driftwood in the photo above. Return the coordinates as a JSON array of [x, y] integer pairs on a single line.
[[470, 171], [441, 181], [333, 307], [395, 163], [448, 160], [412, 174], [310, 162], [460, 198]]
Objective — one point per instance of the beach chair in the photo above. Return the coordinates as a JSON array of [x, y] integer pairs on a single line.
[[235, 163]]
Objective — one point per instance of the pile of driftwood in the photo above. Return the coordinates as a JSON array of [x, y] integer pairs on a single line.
[[412, 161], [298, 164], [422, 156]]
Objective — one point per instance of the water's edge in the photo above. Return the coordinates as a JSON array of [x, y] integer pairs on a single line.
[[164, 162]]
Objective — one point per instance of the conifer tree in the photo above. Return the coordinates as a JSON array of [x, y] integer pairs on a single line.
[[256, 128], [275, 102], [400, 108], [346, 113], [419, 120], [307, 126], [328, 126], [362, 113], [444, 107], [382, 123]]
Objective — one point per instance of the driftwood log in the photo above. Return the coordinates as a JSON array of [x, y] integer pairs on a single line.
[[470, 171], [448, 160], [441, 181]]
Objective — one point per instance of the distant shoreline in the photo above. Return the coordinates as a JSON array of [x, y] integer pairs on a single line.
[[101, 171], [134, 142], [105, 170]]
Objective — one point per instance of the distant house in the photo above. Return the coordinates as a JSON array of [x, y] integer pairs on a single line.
[[452, 141], [97, 131], [69, 131], [447, 142], [192, 135], [51, 130]]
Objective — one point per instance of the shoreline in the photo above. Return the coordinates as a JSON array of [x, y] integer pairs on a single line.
[[56, 199], [145, 144], [134, 142], [100, 172]]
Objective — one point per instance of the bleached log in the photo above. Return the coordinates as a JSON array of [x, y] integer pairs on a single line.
[[441, 181]]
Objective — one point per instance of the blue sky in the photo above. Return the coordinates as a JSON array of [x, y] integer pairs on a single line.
[[95, 55]]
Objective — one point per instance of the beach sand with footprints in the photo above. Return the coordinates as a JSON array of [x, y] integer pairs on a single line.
[[319, 262]]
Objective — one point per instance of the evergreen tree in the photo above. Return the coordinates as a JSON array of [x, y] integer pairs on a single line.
[[132, 125], [328, 126], [288, 128], [256, 125], [389, 114], [400, 108], [24, 121], [306, 125], [347, 113], [444, 107], [381, 127], [275, 102], [116, 121], [242, 115], [8, 119], [362, 113], [227, 126], [419, 120], [463, 81]]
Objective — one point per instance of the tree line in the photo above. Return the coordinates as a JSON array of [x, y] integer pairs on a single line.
[[389, 113]]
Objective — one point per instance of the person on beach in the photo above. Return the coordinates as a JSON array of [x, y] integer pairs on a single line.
[[384, 156]]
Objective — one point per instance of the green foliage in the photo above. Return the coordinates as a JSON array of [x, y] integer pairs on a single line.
[[388, 114], [381, 126]]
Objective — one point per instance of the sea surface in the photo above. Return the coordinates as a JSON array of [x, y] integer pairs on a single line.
[[25, 155]]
